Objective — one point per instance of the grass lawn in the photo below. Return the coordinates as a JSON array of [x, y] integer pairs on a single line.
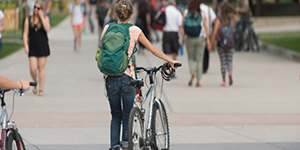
[[288, 40], [8, 48]]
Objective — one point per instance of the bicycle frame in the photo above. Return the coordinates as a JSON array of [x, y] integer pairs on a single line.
[[147, 124]]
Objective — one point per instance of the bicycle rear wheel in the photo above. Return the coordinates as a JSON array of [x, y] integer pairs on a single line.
[[160, 127], [135, 129], [11, 143]]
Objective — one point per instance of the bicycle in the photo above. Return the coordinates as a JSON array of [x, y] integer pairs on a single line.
[[246, 39], [153, 133], [11, 139]]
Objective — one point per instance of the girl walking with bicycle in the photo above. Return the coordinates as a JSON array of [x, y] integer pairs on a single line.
[[223, 33], [35, 30], [120, 93]]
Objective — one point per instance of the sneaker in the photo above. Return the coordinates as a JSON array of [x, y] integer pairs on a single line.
[[117, 147], [230, 78], [223, 83]]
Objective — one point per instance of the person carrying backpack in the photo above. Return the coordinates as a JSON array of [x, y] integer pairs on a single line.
[[223, 33], [195, 29], [119, 92]]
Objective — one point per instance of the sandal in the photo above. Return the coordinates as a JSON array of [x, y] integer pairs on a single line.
[[41, 93], [191, 80]]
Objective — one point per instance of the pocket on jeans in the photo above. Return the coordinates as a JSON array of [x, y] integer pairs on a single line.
[[126, 84], [110, 87]]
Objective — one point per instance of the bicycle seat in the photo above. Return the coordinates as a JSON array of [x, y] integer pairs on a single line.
[[137, 83]]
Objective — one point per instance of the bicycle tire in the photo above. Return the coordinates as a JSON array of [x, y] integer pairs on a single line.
[[11, 141], [160, 131], [135, 129], [253, 41]]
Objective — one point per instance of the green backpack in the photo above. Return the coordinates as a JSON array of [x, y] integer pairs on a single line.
[[112, 58]]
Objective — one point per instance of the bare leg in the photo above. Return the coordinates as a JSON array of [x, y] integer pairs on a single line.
[[79, 33], [75, 38], [33, 65], [41, 68], [192, 78], [174, 56]]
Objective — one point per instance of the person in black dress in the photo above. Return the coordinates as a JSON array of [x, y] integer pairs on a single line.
[[36, 44]]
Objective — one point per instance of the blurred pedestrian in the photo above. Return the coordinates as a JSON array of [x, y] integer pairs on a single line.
[[48, 7], [91, 7], [77, 21], [2, 26], [195, 43], [143, 20], [35, 32], [223, 32], [243, 12], [170, 31], [111, 16], [29, 7], [210, 19], [100, 15], [120, 93]]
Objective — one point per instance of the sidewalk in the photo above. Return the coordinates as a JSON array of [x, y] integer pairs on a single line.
[[259, 112]]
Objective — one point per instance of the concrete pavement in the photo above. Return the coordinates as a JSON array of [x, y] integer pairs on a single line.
[[259, 112]]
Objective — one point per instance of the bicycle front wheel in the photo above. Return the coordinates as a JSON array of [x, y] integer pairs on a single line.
[[160, 127], [12, 144], [135, 129]]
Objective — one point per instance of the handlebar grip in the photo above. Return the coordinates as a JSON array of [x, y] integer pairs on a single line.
[[177, 65], [33, 83]]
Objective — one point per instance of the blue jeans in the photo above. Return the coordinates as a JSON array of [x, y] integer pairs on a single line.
[[121, 96]]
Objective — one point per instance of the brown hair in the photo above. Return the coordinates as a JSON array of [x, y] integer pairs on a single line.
[[227, 11], [124, 10], [194, 6], [39, 24]]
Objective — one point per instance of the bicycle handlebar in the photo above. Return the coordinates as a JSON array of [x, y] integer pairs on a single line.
[[156, 69]]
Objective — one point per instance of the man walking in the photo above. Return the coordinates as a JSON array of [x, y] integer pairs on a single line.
[[171, 29]]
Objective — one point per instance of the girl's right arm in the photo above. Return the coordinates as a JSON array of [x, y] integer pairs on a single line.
[[155, 51], [25, 35]]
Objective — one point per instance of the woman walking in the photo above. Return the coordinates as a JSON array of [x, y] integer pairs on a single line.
[[195, 45], [77, 20], [35, 30], [120, 93], [223, 32]]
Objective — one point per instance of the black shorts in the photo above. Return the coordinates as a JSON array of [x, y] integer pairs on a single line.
[[170, 42]]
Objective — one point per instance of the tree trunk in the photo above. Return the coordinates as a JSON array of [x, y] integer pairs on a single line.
[[259, 8]]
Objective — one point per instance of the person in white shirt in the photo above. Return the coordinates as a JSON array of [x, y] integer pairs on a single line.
[[77, 21], [171, 29], [210, 18], [1, 27]]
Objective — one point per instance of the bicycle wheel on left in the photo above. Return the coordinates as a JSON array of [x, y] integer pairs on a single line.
[[12, 144]]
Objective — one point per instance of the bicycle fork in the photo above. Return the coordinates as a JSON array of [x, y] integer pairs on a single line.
[[6, 128]]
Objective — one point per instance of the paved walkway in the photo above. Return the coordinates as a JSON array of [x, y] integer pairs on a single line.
[[259, 112]]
